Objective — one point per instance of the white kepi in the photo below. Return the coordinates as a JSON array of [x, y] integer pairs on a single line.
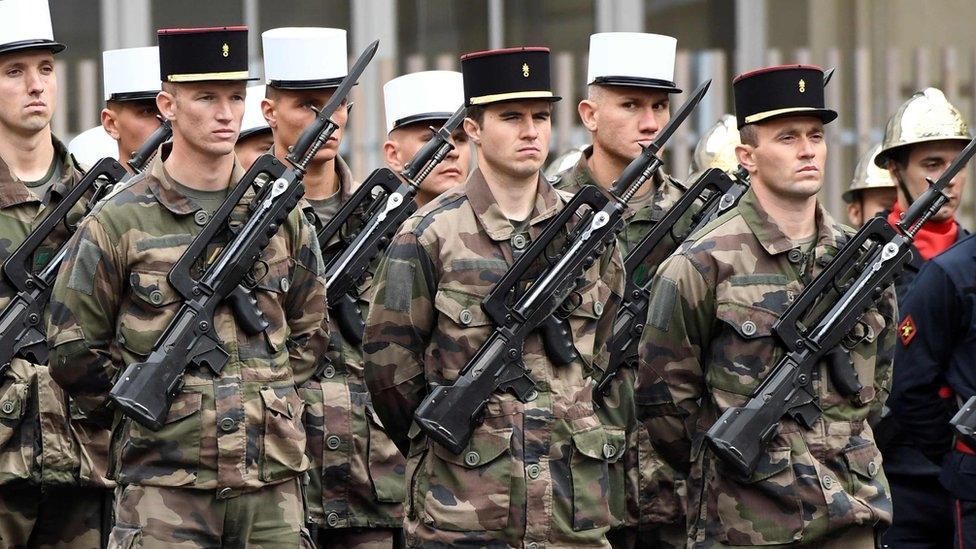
[[92, 145], [25, 25], [130, 74], [422, 96], [253, 121], [301, 58], [636, 59]]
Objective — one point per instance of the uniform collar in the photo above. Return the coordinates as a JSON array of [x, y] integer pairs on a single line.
[[769, 234], [580, 175], [13, 191], [164, 188], [496, 225]]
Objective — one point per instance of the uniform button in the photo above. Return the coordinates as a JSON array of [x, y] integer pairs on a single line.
[[332, 520], [598, 308], [228, 424], [284, 284], [519, 241], [465, 317], [532, 545], [472, 458], [873, 468], [609, 450], [8, 407], [224, 493], [795, 255], [332, 442], [533, 471], [201, 217], [749, 328], [329, 372], [156, 297], [827, 481]]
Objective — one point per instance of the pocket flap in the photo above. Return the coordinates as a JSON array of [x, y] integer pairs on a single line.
[[464, 309], [594, 443], [863, 460], [12, 402], [184, 405], [592, 301], [277, 277], [277, 404], [485, 446], [153, 288], [771, 463], [748, 321], [617, 440]]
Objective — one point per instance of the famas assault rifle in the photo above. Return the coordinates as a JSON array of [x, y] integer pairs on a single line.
[[449, 412], [846, 288], [387, 201], [22, 331], [144, 390]]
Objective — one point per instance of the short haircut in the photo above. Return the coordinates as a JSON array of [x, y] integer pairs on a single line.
[[749, 135], [170, 88], [899, 156], [477, 113]]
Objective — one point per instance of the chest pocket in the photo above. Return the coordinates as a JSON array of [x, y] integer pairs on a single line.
[[269, 293], [462, 327], [584, 321], [153, 304], [744, 349]]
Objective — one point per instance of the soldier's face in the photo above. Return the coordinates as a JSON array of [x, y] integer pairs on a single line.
[[930, 160], [206, 116], [788, 158], [623, 118], [406, 141], [513, 137], [130, 123], [28, 91], [869, 203], [289, 112], [250, 148]]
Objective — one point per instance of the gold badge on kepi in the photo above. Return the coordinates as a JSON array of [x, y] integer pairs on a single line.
[[803, 86], [225, 49], [525, 70]]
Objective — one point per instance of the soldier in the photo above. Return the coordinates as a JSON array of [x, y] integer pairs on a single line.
[[131, 82], [533, 473], [256, 137], [716, 148], [356, 484], [630, 79], [224, 468], [53, 490], [921, 140], [416, 103], [708, 343], [871, 193]]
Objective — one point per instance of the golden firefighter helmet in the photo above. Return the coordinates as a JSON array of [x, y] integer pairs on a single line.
[[868, 175], [926, 116], [716, 148]]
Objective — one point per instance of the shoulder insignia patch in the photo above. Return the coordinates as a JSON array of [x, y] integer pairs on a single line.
[[907, 330]]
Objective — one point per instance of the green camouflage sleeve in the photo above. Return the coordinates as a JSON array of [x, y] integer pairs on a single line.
[[670, 379], [305, 304], [84, 305], [398, 328], [887, 339]]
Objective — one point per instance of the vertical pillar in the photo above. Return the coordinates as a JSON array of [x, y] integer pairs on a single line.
[[370, 21]]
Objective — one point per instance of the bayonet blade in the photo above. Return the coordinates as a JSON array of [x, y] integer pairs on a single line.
[[679, 117]]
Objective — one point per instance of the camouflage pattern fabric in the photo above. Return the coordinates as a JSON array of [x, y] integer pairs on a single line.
[[58, 516], [233, 432], [707, 346], [534, 473], [359, 538], [644, 489], [157, 517], [356, 478]]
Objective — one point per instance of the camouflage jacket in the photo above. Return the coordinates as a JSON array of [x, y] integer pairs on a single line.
[[44, 437], [708, 344], [356, 478], [233, 432], [534, 472], [644, 490]]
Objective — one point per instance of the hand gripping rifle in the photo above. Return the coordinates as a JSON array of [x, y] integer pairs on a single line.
[[385, 212], [145, 389], [22, 331], [847, 287], [449, 412]]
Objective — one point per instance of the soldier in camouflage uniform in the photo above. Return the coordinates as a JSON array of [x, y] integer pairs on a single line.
[[627, 104], [53, 489], [224, 468], [533, 474], [708, 343], [356, 483]]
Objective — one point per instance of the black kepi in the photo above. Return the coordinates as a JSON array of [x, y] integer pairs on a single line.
[[506, 75], [202, 54], [775, 92]]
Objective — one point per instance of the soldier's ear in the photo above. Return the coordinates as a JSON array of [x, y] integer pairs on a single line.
[[391, 151], [746, 155], [166, 104], [269, 112], [588, 113], [473, 129], [109, 123]]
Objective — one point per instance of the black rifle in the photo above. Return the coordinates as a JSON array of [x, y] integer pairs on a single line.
[[713, 189], [22, 330], [847, 287], [449, 412], [388, 202], [144, 390]]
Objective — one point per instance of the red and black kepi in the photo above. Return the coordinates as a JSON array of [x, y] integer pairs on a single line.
[[508, 74], [202, 54], [775, 92]]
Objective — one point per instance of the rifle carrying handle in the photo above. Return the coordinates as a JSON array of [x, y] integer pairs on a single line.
[[557, 339], [245, 307]]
